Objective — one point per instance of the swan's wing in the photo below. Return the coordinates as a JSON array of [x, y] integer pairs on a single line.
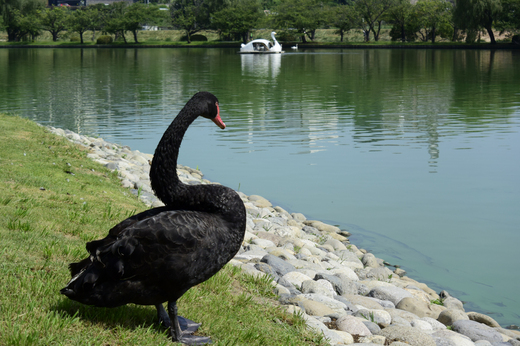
[[151, 242], [175, 231], [179, 229], [155, 259]]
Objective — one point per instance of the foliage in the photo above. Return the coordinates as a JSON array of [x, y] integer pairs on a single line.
[[191, 16], [400, 16], [302, 16], [478, 14], [114, 22], [20, 18], [425, 20], [105, 39], [138, 14], [83, 19], [54, 20], [343, 18], [238, 18], [372, 13], [432, 18], [509, 18], [439, 301]]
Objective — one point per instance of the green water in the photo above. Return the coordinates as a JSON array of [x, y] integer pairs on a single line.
[[416, 152]]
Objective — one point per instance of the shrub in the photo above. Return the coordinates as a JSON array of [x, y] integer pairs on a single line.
[[105, 39], [75, 39], [287, 36]]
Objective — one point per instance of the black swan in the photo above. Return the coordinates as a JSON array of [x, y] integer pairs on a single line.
[[157, 255]]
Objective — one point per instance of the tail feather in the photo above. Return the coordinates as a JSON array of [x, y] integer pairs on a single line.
[[76, 268]]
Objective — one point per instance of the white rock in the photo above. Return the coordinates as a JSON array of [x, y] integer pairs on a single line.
[[279, 290], [296, 278], [315, 324], [315, 251], [436, 325], [328, 286], [250, 255], [264, 243], [311, 286], [309, 272], [298, 217], [334, 304], [346, 338], [456, 338], [347, 271], [423, 325], [375, 315]]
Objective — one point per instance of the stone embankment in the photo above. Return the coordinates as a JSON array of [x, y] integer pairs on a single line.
[[346, 293]]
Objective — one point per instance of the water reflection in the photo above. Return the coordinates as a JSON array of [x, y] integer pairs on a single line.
[[261, 65]]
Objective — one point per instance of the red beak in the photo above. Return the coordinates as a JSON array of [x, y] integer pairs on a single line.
[[217, 120]]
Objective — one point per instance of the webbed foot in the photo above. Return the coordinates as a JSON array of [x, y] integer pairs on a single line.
[[188, 326], [189, 339], [181, 328]]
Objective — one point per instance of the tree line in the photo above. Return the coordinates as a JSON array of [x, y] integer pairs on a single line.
[[294, 20]]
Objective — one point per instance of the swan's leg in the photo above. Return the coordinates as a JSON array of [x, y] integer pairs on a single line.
[[163, 317], [175, 328], [178, 335]]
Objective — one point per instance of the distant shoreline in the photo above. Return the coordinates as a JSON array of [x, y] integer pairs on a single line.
[[483, 46]]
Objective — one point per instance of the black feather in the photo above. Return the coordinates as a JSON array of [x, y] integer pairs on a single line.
[[159, 254]]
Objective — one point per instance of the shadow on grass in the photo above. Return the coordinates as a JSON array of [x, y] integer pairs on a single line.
[[130, 317]]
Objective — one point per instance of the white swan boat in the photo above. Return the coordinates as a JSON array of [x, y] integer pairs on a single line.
[[261, 46]]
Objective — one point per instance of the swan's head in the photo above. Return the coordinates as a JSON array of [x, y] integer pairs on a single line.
[[212, 110]]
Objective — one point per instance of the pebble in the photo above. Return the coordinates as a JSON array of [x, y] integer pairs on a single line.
[[347, 294]]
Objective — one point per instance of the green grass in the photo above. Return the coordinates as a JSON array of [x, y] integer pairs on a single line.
[[46, 216]]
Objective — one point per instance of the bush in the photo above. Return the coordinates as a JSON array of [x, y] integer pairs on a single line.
[[75, 39], [287, 36], [105, 39]]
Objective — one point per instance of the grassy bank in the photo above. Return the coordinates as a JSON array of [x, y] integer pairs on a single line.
[[53, 200], [173, 37]]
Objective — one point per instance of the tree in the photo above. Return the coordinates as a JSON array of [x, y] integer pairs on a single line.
[[114, 19], [83, 19], [372, 14], [400, 16], [477, 14], [343, 18], [238, 18], [303, 16], [138, 14], [55, 20], [19, 18], [509, 19], [433, 18], [191, 16]]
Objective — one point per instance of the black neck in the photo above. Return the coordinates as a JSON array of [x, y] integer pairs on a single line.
[[177, 195]]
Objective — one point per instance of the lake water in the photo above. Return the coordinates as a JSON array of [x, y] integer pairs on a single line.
[[416, 152]]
